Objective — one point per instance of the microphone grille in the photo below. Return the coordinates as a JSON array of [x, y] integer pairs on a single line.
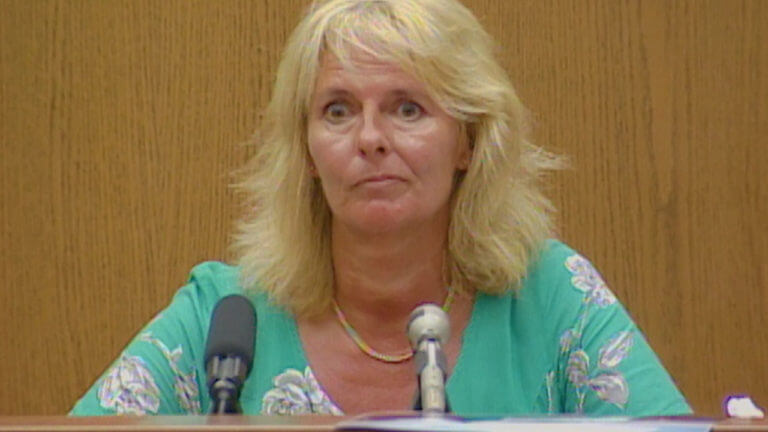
[[232, 330], [428, 321]]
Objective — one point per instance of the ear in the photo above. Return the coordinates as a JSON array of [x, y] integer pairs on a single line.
[[465, 155], [465, 159], [311, 169], [466, 150]]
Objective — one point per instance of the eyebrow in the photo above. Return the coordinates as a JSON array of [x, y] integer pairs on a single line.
[[333, 91]]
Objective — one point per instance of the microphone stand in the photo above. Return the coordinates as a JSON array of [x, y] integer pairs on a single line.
[[430, 362], [227, 374]]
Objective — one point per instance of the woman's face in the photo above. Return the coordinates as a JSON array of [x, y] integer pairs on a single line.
[[385, 152]]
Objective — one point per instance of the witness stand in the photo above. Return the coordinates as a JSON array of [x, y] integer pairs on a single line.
[[275, 424]]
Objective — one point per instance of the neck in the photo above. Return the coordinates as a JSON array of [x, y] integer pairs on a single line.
[[380, 278]]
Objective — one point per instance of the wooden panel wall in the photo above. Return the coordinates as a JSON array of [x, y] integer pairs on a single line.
[[120, 122]]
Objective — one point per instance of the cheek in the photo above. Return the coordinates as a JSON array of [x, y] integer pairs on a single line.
[[327, 155], [319, 145], [314, 141], [436, 154]]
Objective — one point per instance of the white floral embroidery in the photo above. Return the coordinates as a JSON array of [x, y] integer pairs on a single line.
[[129, 388], [611, 387], [185, 384], [550, 381], [587, 279], [297, 393], [568, 339], [615, 350], [605, 380], [608, 383], [187, 392], [578, 367]]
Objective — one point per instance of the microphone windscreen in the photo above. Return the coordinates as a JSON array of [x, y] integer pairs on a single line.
[[232, 331], [428, 321]]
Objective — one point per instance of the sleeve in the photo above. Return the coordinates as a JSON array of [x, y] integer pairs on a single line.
[[160, 370], [606, 366]]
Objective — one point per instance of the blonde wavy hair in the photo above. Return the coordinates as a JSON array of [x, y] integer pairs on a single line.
[[499, 217]]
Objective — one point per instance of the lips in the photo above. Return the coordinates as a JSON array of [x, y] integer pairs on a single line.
[[380, 179]]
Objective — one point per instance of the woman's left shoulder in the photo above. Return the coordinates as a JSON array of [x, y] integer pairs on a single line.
[[559, 285], [603, 364], [552, 255], [557, 270]]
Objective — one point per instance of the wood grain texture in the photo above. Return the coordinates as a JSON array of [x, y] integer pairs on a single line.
[[121, 122]]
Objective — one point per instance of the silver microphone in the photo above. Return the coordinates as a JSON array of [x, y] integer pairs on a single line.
[[428, 330]]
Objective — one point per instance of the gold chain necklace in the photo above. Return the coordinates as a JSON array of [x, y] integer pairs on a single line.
[[370, 352]]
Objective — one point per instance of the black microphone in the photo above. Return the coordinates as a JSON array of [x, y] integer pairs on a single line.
[[428, 330], [229, 352]]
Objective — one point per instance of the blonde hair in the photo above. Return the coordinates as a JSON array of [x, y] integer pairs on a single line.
[[499, 215]]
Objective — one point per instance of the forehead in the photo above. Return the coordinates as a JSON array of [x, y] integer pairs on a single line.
[[362, 70]]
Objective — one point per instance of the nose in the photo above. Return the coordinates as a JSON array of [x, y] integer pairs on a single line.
[[371, 139]]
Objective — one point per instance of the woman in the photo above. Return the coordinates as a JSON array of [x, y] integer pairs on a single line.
[[394, 169]]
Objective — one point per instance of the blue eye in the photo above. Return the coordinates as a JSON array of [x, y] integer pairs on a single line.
[[409, 110]]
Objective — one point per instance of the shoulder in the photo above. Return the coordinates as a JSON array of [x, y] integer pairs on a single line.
[[215, 278], [558, 284], [160, 371], [561, 281], [603, 364], [555, 260], [207, 283], [210, 281]]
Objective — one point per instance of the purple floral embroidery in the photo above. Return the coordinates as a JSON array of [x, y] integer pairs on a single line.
[[297, 393], [611, 387], [587, 279], [608, 383], [129, 388], [568, 339], [615, 350], [605, 380], [185, 384], [187, 392], [578, 367]]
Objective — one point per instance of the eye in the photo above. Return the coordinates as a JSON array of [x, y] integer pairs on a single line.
[[336, 112], [409, 110]]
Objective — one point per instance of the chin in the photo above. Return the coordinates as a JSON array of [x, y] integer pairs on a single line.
[[385, 220], [376, 219], [380, 224]]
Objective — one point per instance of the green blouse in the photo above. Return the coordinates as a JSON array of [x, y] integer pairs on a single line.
[[561, 344]]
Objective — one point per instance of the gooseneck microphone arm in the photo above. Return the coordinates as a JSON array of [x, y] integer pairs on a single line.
[[229, 352], [428, 330]]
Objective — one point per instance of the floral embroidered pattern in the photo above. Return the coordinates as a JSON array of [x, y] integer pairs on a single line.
[[607, 383], [129, 388], [587, 279], [611, 387], [578, 367], [297, 393], [185, 384], [551, 391], [568, 339], [615, 350]]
